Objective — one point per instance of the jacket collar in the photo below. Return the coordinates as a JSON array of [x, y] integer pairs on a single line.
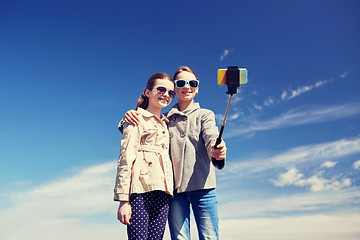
[[148, 114], [175, 110]]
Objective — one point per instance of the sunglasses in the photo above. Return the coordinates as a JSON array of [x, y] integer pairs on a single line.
[[182, 83], [163, 90]]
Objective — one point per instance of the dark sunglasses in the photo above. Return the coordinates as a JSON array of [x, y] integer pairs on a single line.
[[182, 83], [163, 90]]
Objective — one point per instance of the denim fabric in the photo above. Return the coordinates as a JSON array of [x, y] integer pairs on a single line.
[[204, 206]]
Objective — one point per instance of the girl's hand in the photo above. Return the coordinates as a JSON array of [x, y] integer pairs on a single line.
[[124, 212], [131, 117], [220, 152]]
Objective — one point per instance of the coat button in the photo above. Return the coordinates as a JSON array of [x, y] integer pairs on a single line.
[[170, 135]]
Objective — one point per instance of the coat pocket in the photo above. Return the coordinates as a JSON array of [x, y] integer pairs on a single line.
[[145, 174]]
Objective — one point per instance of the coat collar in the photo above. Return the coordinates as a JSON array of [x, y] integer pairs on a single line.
[[148, 114], [175, 110]]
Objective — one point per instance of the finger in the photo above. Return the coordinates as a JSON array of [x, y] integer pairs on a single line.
[[134, 121], [127, 220], [218, 156], [122, 219], [134, 117], [127, 121]]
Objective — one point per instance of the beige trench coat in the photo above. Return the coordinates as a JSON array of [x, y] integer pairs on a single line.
[[144, 164]]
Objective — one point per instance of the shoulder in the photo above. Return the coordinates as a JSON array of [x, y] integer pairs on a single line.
[[128, 128], [206, 113]]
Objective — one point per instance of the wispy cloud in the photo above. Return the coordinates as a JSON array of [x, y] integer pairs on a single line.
[[269, 101], [315, 153], [225, 53], [344, 74], [258, 107], [297, 117], [291, 93]]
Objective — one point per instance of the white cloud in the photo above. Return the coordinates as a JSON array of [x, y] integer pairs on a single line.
[[319, 227], [290, 177], [246, 205], [297, 117], [219, 118], [71, 207], [291, 93], [314, 153], [225, 54], [328, 164], [234, 116], [344, 74], [356, 165], [298, 91], [269, 101], [315, 182], [236, 98], [258, 107], [284, 217], [60, 209], [320, 83]]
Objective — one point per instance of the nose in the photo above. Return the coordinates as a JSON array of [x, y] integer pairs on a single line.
[[187, 85]]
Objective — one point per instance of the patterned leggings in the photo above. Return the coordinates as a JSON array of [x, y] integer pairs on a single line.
[[149, 212]]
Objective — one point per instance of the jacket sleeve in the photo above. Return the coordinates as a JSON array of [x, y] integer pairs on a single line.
[[210, 133], [128, 152], [121, 126]]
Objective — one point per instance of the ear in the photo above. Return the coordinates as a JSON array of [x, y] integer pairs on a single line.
[[147, 92]]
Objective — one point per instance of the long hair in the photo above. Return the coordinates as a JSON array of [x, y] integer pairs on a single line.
[[184, 69], [143, 100]]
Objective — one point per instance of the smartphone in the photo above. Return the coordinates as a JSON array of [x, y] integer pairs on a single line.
[[222, 76]]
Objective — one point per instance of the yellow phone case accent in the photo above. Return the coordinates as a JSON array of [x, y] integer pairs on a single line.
[[222, 76]]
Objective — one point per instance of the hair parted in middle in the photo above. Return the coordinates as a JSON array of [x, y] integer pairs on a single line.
[[143, 100], [184, 69]]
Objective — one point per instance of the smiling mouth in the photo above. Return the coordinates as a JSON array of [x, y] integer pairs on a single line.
[[164, 99]]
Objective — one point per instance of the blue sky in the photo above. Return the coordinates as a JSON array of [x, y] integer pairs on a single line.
[[69, 70]]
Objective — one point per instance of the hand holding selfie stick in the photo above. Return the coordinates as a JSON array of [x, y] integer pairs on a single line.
[[232, 77]]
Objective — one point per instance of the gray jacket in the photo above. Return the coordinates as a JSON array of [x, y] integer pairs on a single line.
[[192, 132]]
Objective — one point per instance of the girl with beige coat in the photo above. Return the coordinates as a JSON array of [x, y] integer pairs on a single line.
[[144, 181]]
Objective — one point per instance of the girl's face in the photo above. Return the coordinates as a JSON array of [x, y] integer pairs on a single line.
[[186, 93], [157, 97]]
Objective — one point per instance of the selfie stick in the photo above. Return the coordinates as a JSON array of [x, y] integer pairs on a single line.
[[233, 80]]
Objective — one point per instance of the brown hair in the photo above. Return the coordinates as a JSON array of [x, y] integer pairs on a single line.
[[143, 100], [184, 69]]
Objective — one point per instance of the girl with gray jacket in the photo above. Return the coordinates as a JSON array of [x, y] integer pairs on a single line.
[[193, 133]]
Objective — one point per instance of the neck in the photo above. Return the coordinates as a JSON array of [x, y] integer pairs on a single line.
[[154, 110], [185, 105]]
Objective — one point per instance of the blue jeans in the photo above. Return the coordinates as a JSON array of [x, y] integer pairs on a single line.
[[204, 206]]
